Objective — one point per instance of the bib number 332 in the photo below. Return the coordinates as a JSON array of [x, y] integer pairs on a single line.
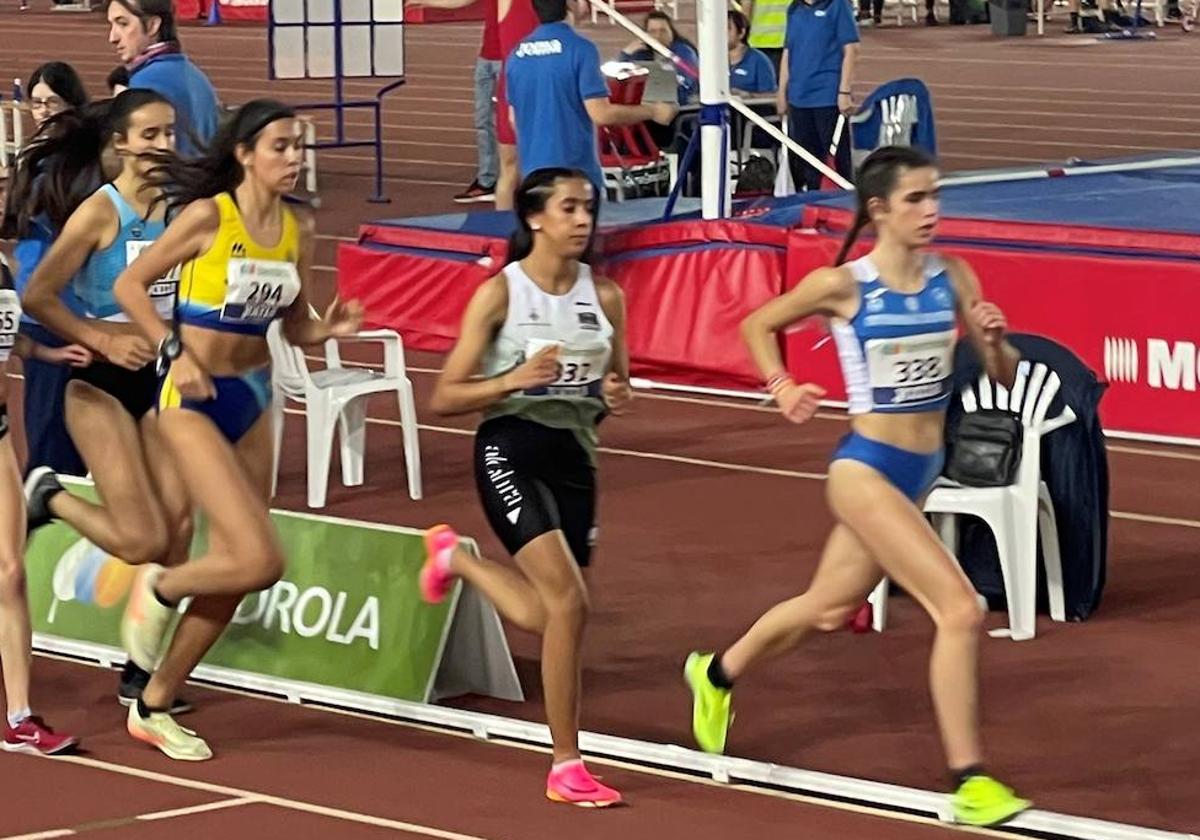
[[258, 290]]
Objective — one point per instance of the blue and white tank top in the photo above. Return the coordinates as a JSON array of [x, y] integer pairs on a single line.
[[897, 351], [94, 282]]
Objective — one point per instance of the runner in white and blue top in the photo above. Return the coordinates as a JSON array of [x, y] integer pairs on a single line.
[[549, 340], [894, 315]]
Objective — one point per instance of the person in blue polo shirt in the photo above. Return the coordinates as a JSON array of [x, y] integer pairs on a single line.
[[816, 76], [750, 70], [558, 96], [144, 33]]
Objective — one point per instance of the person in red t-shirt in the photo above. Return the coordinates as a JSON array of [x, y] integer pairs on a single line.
[[516, 20], [487, 73]]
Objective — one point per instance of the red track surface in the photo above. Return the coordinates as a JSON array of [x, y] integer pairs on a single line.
[[709, 514]]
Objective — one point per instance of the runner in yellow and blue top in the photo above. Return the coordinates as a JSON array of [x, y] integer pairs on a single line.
[[894, 315], [244, 262], [549, 339], [144, 516]]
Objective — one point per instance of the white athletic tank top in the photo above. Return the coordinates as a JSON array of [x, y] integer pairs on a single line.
[[577, 323]]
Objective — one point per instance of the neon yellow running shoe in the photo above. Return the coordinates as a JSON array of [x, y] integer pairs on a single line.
[[160, 730], [711, 706], [983, 801]]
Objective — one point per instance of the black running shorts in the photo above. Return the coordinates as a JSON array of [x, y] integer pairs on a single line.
[[534, 479]]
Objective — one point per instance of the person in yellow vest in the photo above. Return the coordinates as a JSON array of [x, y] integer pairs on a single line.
[[768, 26]]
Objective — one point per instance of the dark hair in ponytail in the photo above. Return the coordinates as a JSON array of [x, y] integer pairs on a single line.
[[531, 198], [877, 178], [62, 164], [216, 170]]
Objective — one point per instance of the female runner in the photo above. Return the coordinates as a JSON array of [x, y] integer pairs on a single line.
[[245, 261], [144, 516], [894, 315], [550, 340], [23, 730]]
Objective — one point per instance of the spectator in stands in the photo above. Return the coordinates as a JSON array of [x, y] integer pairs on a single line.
[[1108, 15], [815, 84], [750, 71], [53, 88], [558, 96], [487, 71], [873, 10], [661, 28], [768, 26], [118, 80], [514, 20], [144, 33]]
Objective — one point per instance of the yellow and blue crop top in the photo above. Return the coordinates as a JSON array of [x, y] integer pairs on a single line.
[[239, 285]]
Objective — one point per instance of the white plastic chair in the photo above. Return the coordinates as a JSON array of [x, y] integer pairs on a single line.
[[339, 394], [1016, 513]]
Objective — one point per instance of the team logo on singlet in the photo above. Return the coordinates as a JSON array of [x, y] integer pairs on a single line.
[[238, 250], [588, 320], [912, 303]]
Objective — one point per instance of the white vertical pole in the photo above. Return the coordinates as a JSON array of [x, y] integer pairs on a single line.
[[712, 40]]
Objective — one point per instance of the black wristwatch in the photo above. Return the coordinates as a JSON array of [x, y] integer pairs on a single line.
[[169, 349]]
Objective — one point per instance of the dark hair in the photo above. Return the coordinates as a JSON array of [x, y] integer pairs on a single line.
[[531, 198], [877, 178], [61, 78], [741, 24], [550, 11], [62, 166], [675, 36], [118, 76], [143, 10], [217, 169]]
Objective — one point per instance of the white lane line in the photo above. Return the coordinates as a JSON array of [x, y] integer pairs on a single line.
[[219, 805], [265, 798]]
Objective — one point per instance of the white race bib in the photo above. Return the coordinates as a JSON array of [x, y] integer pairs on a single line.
[[258, 290], [580, 369], [10, 321], [911, 369], [162, 292]]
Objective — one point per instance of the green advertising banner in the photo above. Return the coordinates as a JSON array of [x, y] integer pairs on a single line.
[[346, 615]]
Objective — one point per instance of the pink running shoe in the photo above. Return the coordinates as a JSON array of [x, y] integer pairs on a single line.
[[32, 735], [436, 577], [571, 783]]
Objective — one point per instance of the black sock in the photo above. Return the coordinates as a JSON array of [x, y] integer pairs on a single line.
[[144, 710], [717, 675], [1074, 20], [132, 671], [961, 776], [162, 600]]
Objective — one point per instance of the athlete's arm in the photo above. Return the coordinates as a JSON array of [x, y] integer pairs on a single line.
[[189, 235], [341, 318], [458, 390], [826, 291], [92, 223], [984, 322], [617, 391], [74, 355]]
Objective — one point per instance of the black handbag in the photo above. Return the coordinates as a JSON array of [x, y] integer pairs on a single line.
[[985, 449]]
